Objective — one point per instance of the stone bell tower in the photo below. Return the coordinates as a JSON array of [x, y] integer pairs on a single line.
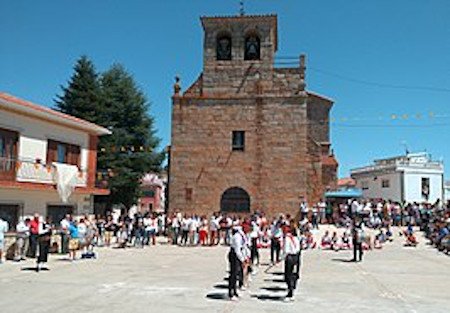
[[247, 135], [237, 47]]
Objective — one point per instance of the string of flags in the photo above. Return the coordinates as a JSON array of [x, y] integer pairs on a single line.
[[392, 117], [126, 149]]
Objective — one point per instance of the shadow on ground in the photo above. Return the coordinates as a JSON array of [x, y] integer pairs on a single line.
[[274, 288], [275, 280], [221, 286], [342, 260], [264, 297], [34, 269], [217, 296]]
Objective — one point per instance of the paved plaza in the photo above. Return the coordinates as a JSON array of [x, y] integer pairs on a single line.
[[176, 279]]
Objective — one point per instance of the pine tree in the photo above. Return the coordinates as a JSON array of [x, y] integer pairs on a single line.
[[113, 100], [81, 98], [133, 128]]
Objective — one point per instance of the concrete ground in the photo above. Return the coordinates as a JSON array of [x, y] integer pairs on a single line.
[[175, 279]]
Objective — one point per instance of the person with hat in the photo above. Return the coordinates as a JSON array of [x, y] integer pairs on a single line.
[[236, 258], [291, 254]]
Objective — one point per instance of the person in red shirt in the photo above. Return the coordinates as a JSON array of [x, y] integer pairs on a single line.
[[34, 233]]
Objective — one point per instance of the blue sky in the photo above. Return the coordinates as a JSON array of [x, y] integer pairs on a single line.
[[369, 56]]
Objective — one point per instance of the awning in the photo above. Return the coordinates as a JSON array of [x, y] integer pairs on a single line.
[[344, 193]]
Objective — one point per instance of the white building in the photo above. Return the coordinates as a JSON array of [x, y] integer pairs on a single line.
[[45, 156], [447, 191], [414, 177]]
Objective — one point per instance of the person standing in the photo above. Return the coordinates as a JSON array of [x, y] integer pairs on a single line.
[[213, 228], [275, 242], [358, 234], [34, 234], [235, 259], [45, 233], [23, 232], [65, 223], [254, 235], [3, 230], [110, 228], [291, 254], [73, 241]]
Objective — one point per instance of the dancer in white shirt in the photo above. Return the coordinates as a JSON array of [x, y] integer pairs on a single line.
[[291, 254], [236, 259]]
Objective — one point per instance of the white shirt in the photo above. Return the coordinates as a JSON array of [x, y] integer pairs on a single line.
[[82, 230], [3, 229], [237, 242], [291, 245], [213, 225], [22, 228], [65, 224]]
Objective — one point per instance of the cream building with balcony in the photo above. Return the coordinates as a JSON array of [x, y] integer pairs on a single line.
[[414, 177], [45, 157]]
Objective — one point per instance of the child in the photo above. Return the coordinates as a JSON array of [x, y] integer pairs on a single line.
[[123, 236], [325, 243]]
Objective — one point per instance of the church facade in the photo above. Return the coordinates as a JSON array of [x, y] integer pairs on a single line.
[[247, 135]]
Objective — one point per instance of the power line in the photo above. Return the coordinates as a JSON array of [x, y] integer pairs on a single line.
[[383, 85], [357, 80]]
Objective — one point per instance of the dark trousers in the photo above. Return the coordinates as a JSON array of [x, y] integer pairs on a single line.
[[357, 251], [33, 245], [290, 276], [184, 236], [235, 270], [274, 250], [64, 243], [44, 246], [254, 253]]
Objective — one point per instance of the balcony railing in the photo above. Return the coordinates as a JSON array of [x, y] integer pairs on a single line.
[[34, 172], [102, 179]]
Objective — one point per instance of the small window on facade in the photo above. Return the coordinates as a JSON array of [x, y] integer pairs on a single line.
[[238, 140], [223, 48], [188, 194], [385, 183], [252, 48]]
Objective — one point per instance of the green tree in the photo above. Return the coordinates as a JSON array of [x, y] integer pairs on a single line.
[[127, 116], [81, 98], [113, 100]]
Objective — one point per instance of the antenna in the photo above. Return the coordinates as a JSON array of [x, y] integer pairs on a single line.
[[241, 8], [405, 144]]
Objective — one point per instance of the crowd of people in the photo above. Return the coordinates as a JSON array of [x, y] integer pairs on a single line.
[[353, 219]]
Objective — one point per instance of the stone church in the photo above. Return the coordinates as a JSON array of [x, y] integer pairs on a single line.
[[247, 135]]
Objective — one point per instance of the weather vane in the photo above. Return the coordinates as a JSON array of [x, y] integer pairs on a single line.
[[241, 8]]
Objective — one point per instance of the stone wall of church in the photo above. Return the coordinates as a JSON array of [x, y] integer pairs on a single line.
[[272, 169]]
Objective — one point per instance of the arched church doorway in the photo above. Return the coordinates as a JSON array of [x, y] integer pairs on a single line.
[[235, 199]]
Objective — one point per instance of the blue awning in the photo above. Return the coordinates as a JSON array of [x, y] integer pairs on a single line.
[[344, 193]]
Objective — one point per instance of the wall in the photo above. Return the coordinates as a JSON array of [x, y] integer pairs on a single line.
[[37, 201], [375, 190], [34, 134], [272, 169], [413, 185]]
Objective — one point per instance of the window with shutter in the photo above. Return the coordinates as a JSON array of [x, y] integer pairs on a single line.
[[62, 152], [8, 153]]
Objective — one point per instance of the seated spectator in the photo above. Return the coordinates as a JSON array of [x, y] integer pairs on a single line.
[[325, 243]]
